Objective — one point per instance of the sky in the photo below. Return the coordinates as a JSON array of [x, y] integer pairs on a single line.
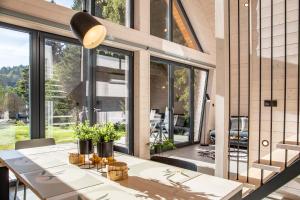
[[14, 45], [66, 3], [14, 48]]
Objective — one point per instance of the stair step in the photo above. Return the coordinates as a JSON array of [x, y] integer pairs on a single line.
[[265, 165], [246, 191], [254, 177], [289, 145]]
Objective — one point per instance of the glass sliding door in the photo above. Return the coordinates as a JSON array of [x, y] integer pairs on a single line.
[[200, 82], [177, 102], [181, 104], [113, 92], [64, 88], [14, 87], [159, 102]]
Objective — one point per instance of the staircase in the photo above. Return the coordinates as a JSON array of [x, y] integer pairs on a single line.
[[266, 177]]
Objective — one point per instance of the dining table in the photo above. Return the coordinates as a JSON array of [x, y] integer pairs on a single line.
[[46, 171]]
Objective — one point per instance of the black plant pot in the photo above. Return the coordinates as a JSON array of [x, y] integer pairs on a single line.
[[105, 149], [86, 146]]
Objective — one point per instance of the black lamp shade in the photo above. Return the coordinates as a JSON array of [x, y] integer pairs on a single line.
[[88, 30]]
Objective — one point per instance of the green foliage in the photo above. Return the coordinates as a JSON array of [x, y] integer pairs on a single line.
[[113, 10], [20, 123], [182, 89], [163, 146], [22, 86], [107, 132], [84, 131]]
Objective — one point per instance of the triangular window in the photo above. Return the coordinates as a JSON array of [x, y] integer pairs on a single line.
[[181, 29], [183, 32]]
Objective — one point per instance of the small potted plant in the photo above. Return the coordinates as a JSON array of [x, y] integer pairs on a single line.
[[105, 135], [84, 133]]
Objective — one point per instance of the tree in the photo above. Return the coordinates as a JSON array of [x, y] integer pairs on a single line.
[[2, 97], [182, 89], [22, 86], [114, 10]]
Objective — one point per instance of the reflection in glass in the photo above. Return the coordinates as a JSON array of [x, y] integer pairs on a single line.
[[181, 115], [64, 89], [199, 92], [117, 11], [159, 18], [112, 91], [182, 33], [159, 112], [14, 87]]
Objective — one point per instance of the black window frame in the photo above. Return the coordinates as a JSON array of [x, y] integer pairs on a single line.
[[37, 80], [171, 64], [130, 149]]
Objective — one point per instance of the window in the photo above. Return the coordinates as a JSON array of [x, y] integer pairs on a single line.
[[176, 102], [73, 4], [159, 18], [64, 89], [113, 96], [171, 22], [200, 79], [14, 87], [181, 105], [117, 11], [159, 106], [182, 30]]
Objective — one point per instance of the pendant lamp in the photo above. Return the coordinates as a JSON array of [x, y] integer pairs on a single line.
[[87, 29]]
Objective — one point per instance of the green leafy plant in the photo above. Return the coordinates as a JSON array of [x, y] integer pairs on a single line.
[[107, 133], [163, 146], [20, 123], [84, 131]]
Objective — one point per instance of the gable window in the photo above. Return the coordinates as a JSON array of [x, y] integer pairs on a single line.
[[169, 21]]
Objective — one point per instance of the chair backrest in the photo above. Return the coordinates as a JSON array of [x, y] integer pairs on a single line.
[[175, 162], [25, 144], [152, 114]]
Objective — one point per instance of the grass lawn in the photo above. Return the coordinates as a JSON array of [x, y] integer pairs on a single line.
[[10, 133]]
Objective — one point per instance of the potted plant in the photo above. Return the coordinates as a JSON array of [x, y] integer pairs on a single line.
[[162, 146], [84, 133], [105, 135]]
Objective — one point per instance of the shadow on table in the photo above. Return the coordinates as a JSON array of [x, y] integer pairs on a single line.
[[155, 190]]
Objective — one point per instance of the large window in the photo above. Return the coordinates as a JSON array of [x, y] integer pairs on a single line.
[[159, 15], [14, 87], [117, 11], [113, 72], [64, 89], [177, 96], [171, 22], [49, 83]]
